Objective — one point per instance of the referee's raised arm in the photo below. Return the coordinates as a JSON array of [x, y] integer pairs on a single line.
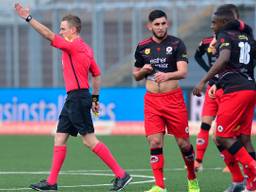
[[24, 13]]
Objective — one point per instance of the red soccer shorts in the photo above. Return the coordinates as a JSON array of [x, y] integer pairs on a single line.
[[210, 106], [166, 111], [235, 113]]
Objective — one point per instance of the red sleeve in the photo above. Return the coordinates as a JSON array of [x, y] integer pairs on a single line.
[[60, 43], [94, 68]]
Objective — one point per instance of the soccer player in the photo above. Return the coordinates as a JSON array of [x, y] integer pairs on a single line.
[[75, 117], [236, 51], [232, 164], [162, 61], [211, 105]]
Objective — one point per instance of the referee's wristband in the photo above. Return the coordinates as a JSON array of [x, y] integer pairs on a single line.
[[95, 98], [28, 19]]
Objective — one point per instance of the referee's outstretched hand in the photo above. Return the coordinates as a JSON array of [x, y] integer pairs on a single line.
[[22, 11]]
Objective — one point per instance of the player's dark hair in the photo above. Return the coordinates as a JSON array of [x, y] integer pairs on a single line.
[[226, 15], [230, 7], [155, 14], [73, 21]]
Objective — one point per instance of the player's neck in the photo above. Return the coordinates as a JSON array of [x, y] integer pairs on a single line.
[[158, 40]]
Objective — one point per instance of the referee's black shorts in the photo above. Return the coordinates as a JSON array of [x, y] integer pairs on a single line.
[[76, 116]]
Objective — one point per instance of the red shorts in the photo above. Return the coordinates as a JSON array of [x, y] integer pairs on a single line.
[[235, 114], [210, 106], [166, 112]]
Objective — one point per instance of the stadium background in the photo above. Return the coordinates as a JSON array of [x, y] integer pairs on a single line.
[[30, 70], [32, 90]]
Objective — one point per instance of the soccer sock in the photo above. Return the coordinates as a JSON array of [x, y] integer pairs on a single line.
[[188, 157], [202, 141], [102, 151], [59, 155], [157, 165], [240, 153], [233, 166], [246, 170]]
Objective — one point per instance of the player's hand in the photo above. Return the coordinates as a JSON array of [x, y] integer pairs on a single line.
[[198, 89], [147, 68], [161, 77], [22, 11], [212, 92]]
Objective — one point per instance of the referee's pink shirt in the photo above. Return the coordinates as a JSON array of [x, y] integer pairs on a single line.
[[83, 62]]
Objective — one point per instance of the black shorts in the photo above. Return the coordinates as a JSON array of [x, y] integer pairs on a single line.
[[75, 116]]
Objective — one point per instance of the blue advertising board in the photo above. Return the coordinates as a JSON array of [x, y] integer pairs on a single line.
[[117, 104]]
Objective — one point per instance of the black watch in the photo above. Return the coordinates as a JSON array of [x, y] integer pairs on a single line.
[[28, 19]]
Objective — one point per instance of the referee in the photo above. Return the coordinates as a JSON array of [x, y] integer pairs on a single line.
[[77, 62]]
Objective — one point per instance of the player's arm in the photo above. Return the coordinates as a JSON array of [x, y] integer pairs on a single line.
[[199, 57], [219, 64], [224, 47], [181, 73], [141, 73], [96, 80], [96, 83], [140, 69], [40, 28]]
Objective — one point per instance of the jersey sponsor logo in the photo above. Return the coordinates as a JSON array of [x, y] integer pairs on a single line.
[[147, 51], [243, 37], [154, 159], [220, 128], [224, 45], [161, 65], [158, 60], [169, 50]]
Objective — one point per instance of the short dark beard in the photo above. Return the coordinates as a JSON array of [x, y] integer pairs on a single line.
[[159, 38]]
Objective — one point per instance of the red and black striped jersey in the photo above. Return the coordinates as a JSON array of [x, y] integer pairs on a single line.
[[162, 56], [238, 73], [202, 50]]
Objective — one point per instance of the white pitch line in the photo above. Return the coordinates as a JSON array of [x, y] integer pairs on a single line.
[[16, 189], [91, 171], [151, 179]]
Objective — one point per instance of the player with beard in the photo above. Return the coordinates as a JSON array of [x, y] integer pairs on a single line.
[[162, 61]]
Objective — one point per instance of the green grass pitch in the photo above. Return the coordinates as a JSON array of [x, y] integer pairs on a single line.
[[27, 159]]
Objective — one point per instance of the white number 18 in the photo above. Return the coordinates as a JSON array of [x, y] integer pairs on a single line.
[[245, 49]]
